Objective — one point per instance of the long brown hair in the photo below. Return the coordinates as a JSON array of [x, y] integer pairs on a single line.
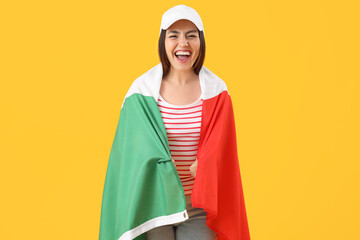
[[165, 61]]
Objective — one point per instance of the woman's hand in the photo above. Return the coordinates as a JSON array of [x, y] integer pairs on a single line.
[[193, 168]]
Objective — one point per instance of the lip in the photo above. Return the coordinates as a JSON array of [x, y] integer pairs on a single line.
[[183, 50], [182, 61]]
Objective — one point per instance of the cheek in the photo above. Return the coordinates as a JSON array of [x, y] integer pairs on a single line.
[[168, 48], [168, 54], [196, 46], [197, 49]]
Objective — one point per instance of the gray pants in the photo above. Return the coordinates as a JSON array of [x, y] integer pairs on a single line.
[[194, 228]]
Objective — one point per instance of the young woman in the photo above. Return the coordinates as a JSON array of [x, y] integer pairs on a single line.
[[182, 52], [173, 170]]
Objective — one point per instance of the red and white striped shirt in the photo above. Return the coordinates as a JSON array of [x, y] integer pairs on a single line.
[[182, 124]]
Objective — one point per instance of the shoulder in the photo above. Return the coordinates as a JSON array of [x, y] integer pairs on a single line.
[[147, 83], [147, 80], [212, 82]]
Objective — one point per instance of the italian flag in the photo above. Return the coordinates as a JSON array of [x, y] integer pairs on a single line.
[[142, 188]]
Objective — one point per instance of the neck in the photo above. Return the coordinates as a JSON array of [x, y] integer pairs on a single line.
[[180, 77]]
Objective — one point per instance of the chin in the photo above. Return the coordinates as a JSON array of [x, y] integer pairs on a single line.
[[182, 67]]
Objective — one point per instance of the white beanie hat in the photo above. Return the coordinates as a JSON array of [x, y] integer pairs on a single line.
[[180, 12]]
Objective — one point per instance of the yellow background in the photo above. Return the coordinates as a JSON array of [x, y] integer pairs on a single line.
[[291, 67]]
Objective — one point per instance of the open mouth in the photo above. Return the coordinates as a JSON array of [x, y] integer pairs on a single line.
[[182, 56]]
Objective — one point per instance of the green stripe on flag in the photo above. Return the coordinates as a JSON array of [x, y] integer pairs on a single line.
[[141, 181]]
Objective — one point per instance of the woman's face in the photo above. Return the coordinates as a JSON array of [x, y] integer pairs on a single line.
[[182, 35]]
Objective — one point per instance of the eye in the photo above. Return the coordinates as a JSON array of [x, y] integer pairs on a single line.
[[172, 36], [192, 36]]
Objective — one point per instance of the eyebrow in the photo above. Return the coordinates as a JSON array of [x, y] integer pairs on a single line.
[[174, 31]]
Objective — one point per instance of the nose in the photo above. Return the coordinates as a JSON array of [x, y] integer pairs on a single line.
[[183, 41]]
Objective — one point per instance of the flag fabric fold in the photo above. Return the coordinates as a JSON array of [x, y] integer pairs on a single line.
[[142, 188]]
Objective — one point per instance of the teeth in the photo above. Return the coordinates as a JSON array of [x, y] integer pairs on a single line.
[[182, 53]]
